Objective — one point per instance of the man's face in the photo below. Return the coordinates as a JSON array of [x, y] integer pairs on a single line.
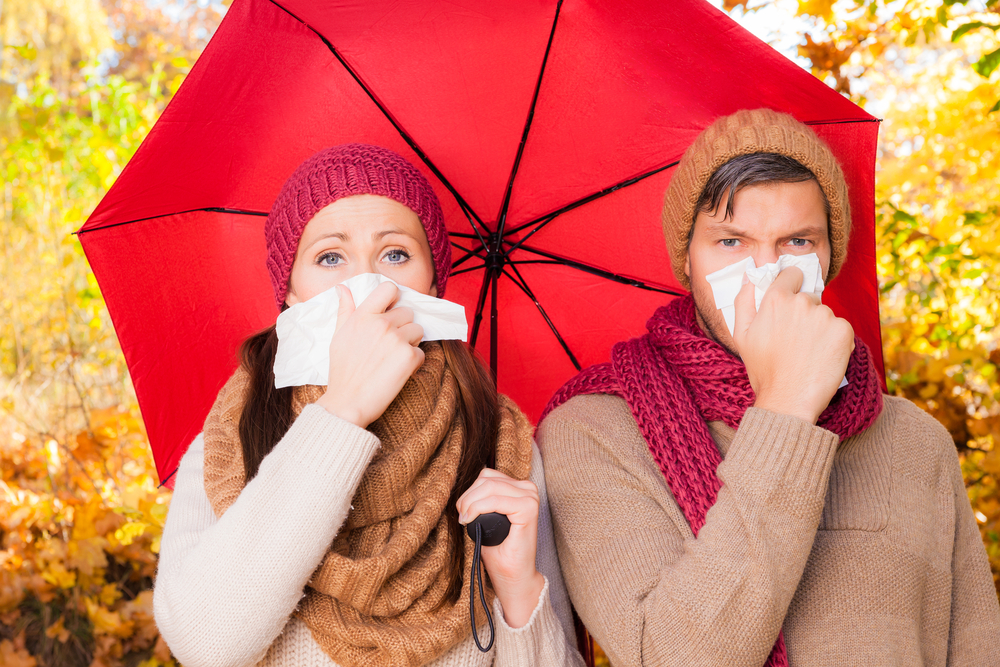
[[768, 221]]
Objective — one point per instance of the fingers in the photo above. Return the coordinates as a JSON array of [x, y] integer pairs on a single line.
[[346, 306], [381, 298], [495, 492], [746, 311], [789, 280]]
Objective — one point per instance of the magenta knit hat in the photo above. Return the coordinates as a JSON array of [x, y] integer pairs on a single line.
[[342, 171]]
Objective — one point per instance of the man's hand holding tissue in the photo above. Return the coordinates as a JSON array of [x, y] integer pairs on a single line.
[[373, 353], [795, 349]]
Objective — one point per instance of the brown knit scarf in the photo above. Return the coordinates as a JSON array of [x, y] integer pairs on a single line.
[[379, 595]]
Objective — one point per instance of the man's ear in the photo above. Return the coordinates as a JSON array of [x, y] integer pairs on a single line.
[[687, 266]]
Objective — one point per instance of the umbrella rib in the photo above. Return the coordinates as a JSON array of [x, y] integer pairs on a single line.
[[523, 285], [548, 217], [502, 218], [385, 112], [467, 270], [469, 254], [209, 209], [593, 270]]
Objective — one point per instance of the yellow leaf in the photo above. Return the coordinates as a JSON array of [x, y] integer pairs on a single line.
[[57, 575], [930, 391], [109, 595], [107, 622], [821, 8], [87, 555], [57, 631]]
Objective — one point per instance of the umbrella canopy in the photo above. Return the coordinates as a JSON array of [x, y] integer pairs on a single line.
[[548, 129]]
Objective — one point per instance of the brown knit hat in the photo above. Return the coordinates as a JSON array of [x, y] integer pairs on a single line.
[[742, 133], [343, 171]]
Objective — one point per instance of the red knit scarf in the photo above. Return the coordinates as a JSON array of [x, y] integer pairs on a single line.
[[675, 380]]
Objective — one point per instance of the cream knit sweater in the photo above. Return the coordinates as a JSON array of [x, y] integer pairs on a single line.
[[865, 552], [226, 587]]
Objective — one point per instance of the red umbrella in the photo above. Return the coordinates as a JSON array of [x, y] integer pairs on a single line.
[[548, 129]]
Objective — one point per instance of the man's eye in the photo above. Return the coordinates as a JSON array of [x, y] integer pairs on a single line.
[[799, 243], [730, 243]]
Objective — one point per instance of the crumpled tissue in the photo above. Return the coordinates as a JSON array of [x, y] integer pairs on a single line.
[[727, 282], [306, 329]]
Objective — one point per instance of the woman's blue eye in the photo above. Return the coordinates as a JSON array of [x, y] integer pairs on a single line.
[[329, 259], [397, 256], [730, 243]]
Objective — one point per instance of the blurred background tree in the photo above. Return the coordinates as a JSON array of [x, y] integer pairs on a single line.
[[81, 83]]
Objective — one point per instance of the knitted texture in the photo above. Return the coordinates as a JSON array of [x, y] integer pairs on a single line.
[[379, 597], [743, 133], [675, 380], [343, 171]]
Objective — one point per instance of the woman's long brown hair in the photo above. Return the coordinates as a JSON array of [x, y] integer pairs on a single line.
[[267, 416]]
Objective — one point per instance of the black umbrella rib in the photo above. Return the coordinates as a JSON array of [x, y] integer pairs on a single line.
[[844, 121], [468, 254], [469, 212], [593, 270], [523, 285], [549, 217], [467, 269], [209, 209], [502, 218]]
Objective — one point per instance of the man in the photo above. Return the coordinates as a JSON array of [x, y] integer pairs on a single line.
[[717, 500]]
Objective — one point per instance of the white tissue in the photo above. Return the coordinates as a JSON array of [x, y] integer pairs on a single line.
[[726, 283], [306, 329]]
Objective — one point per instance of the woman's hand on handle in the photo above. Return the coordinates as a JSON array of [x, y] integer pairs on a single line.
[[372, 355], [511, 565]]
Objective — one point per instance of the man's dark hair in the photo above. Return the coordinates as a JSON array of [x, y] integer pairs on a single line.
[[751, 169]]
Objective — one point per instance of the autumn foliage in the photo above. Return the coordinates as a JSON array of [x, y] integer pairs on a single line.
[[82, 82]]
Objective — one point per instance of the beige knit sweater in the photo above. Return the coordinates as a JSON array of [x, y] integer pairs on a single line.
[[865, 552], [226, 587]]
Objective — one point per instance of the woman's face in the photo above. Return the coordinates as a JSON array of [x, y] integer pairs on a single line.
[[361, 234]]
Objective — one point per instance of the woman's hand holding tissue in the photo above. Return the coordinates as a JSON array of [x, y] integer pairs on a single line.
[[372, 355], [795, 349]]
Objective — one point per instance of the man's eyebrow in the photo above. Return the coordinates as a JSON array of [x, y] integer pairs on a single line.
[[809, 230], [726, 228]]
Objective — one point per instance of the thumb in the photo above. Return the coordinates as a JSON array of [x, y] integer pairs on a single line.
[[746, 311], [346, 306]]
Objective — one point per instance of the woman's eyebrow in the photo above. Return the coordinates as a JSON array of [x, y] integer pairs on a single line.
[[386, 232], [343, 236]]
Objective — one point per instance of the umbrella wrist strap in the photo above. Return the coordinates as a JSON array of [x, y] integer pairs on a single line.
[[477, 575]]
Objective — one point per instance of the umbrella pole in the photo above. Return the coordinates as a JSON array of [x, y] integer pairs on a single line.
[[493, 322]]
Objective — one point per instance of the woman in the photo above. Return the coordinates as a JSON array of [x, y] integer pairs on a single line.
[[324, 525]]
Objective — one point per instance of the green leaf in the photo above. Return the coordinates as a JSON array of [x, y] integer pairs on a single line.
[[971, 25], [973, 273], [899, 240], [995, 107], [985, 65], [903, 216], [974, 218]]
